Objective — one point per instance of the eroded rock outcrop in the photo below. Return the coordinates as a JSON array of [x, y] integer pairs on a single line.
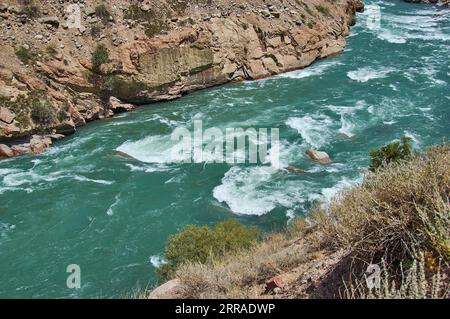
[[156, 50]]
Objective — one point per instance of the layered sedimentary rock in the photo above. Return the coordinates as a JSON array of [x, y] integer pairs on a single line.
[[156, 50]]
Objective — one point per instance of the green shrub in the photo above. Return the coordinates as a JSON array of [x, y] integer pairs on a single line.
[[204, 244], [31, 11], [42, 112], [102, 13], [51, 49], [394, 152], [122, 88], [26, 55], [153, 22], [99, 56], [95, 31], [324, 10]]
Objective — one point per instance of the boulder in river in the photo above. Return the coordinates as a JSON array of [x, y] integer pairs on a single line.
[[117, 106], [319, 156], [295, 170], [122, 154], [5, 151]]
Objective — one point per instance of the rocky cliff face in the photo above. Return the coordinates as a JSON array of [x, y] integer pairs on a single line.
[[64, 64]]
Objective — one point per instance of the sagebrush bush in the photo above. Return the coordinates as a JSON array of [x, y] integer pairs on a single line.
[[30, 9], [42, 112], [416, 283], [395, 213], [102, 13], [203, 244], [26, 55]]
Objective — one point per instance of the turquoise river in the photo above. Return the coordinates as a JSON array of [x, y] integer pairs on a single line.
[[81, 204]]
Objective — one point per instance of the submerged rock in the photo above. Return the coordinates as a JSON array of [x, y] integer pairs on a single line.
[[295, 170], [122, 154], [319, 156]]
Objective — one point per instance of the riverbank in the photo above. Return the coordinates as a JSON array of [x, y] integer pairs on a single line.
[[390, 221], [53, 79]]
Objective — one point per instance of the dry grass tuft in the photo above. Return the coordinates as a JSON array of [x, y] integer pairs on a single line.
[[242, 275]]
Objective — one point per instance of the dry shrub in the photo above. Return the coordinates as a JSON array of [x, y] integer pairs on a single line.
[[238, 275], [416, 283], [395, 213]]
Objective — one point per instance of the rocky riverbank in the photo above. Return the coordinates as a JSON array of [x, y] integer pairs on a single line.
[[54, 76]]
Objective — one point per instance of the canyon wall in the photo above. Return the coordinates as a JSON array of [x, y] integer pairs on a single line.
[[64, 64]]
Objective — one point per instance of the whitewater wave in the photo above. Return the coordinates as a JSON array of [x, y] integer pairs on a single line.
[[347, 126], [254, 190], [366, 74], [314, 129], [389, 36], [327, 194], [97, 181], [151, 149], [313, 70], [147, 168], [157, 261]]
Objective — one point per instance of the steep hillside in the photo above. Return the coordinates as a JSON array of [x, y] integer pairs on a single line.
[[62, 65], [398, 218]]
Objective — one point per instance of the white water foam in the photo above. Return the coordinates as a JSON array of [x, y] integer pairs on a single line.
[[5, 228], [97, 181], [329, 193], [389, 36], [151, 149], [314, 129], [157, 261], [366, 74], [147, 168], [251, 190], [315, 69], [347, 126], [110, 210]]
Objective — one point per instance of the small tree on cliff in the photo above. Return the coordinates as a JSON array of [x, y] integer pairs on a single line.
[[99, 56]]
